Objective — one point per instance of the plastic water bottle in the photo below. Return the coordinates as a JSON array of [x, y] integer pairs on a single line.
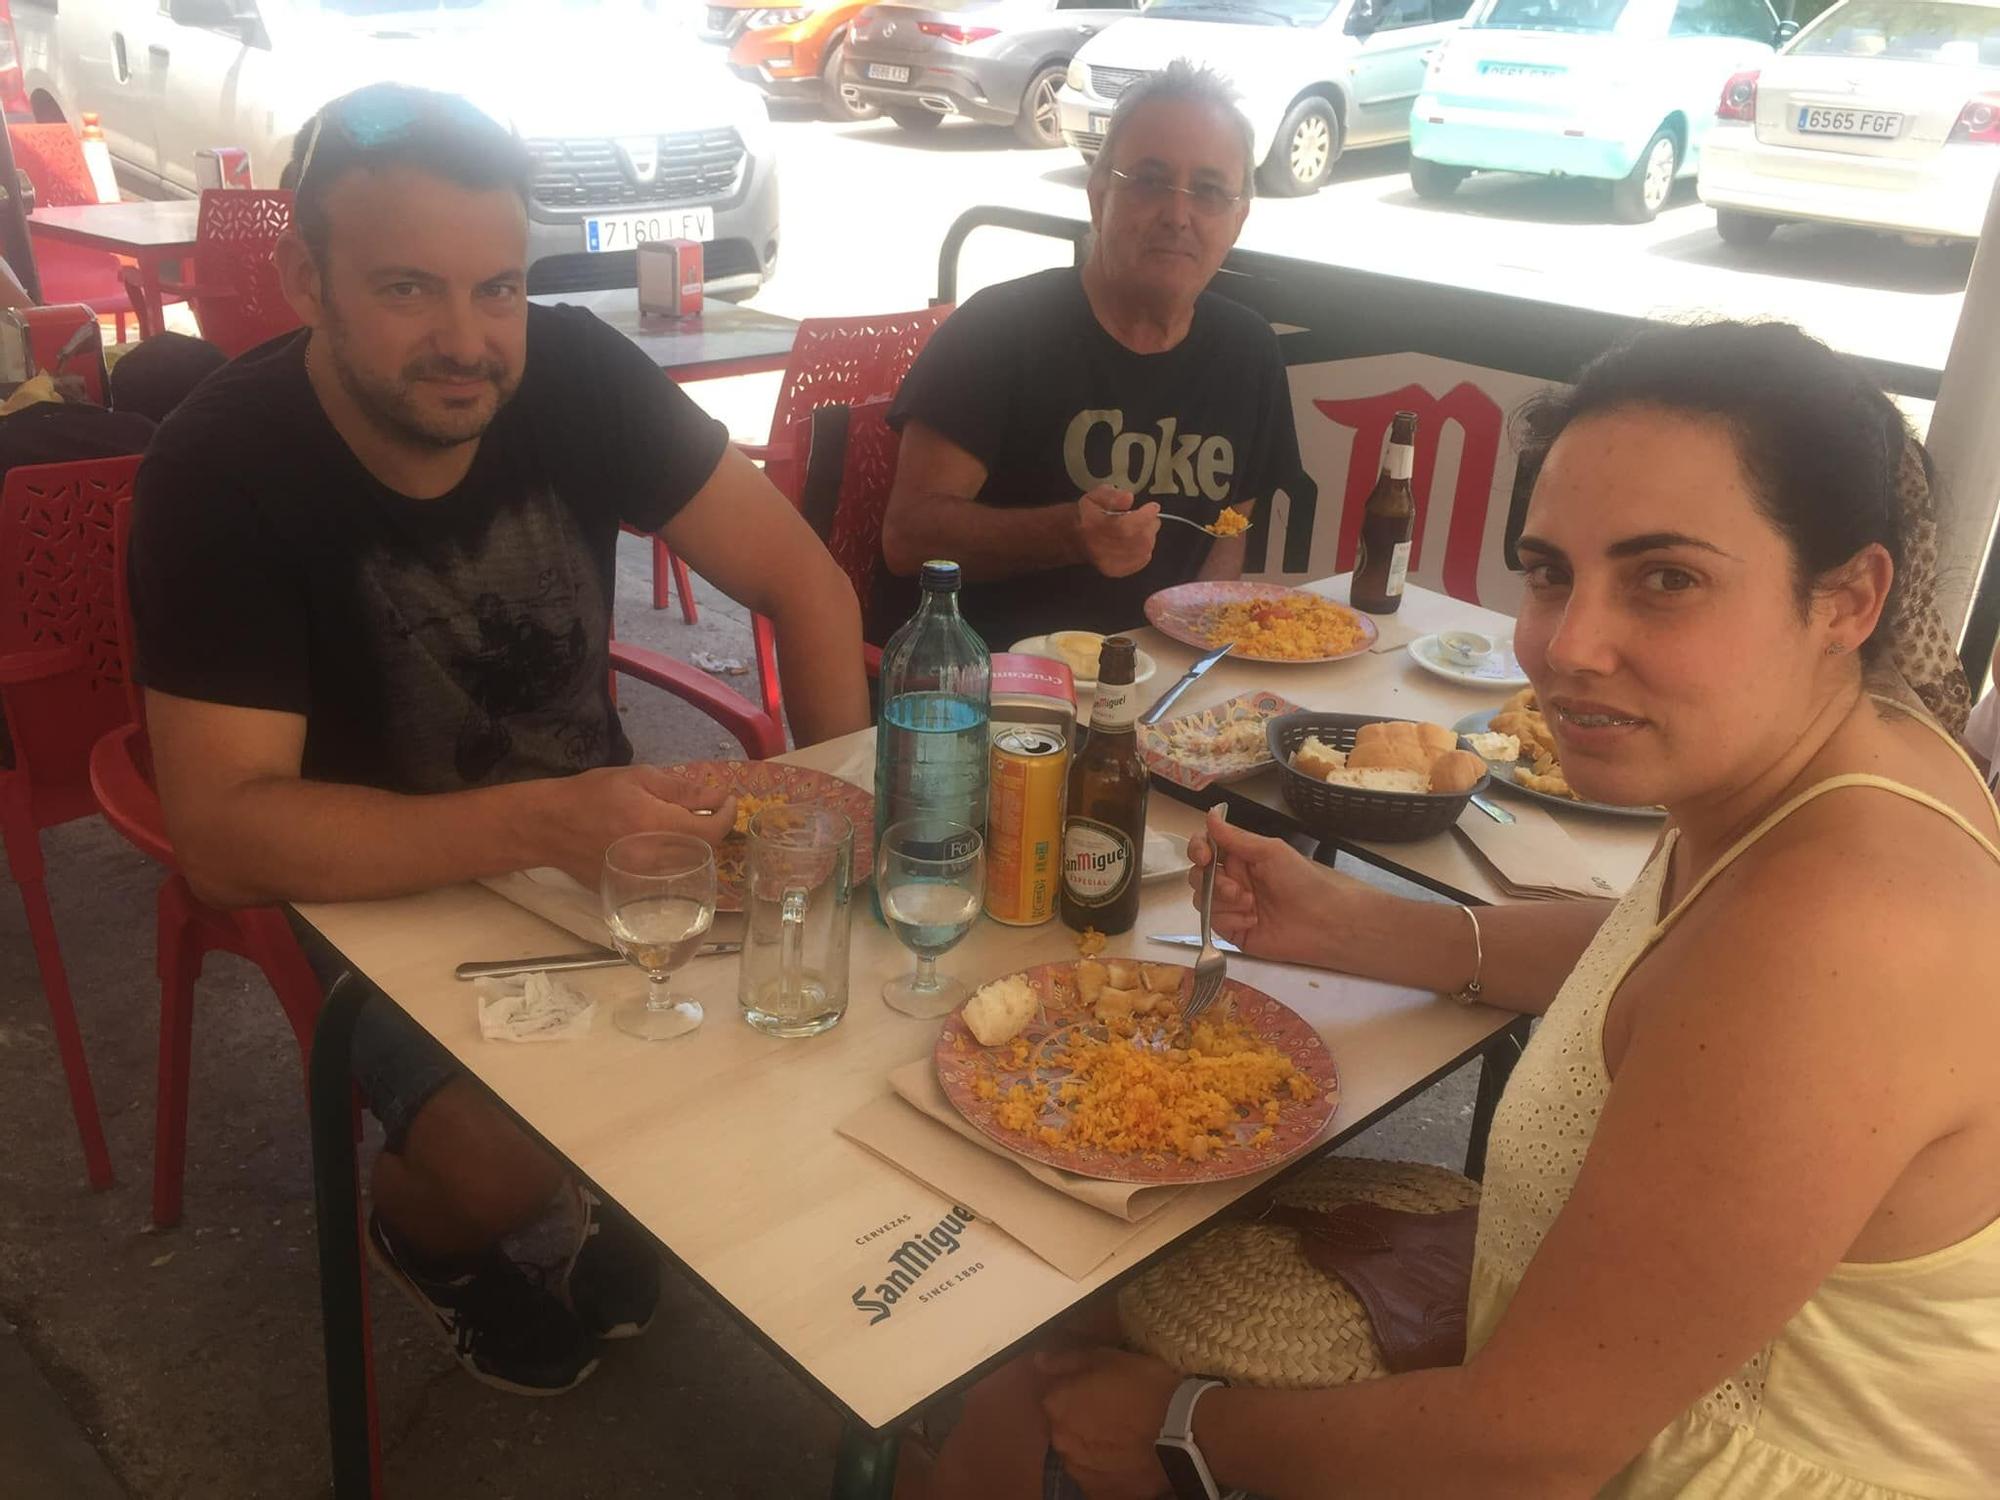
[[931, 744]]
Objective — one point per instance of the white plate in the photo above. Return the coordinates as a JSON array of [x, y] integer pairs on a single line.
[[609, 232], [1498, 669], [1038, 645], [1166, 857], [1503, 777]]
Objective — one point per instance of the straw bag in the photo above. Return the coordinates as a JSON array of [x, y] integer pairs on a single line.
[[1303, 1297]]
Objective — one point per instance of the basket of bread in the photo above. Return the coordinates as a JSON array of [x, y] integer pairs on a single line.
[[1361, 777]]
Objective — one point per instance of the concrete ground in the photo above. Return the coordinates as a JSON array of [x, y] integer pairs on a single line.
[[187, 1363]]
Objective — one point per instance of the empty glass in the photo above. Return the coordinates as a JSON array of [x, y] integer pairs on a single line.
[[658, 896], [793, 981], [930, 878]]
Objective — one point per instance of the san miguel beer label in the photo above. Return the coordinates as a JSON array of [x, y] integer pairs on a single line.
[[911, 1264], [1097, 861]]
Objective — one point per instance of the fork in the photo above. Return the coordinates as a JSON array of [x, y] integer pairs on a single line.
[[1210, 967], [1183, 520]]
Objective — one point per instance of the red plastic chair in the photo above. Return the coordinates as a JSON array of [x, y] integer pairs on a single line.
[[236, 296], [666, 566], [839, 361], [52, 157], [62, 685]]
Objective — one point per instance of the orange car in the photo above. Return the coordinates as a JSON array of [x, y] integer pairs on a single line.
[[790, 52]]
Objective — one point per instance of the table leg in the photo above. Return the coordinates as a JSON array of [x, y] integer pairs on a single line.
[[865, 1468], [1496, 1066], [152, 310], [337, 1204]]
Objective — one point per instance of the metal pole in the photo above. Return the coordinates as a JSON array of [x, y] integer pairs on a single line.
[[1965, 441]]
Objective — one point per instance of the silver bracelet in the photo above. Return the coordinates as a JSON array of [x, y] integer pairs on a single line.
[[1469, 993]]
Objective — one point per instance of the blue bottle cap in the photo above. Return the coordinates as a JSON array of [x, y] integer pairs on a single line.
[[940, 577]]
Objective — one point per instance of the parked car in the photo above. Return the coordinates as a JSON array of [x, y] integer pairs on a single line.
[[1883, 113], [1619, 90], [632, 139], [1316, 76], [997, 61], [790, 51]]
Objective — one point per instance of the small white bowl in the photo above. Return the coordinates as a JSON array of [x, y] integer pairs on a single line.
[[1038, 645], [1465, 648]]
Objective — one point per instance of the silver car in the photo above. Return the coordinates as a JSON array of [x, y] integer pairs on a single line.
[[996, 61]]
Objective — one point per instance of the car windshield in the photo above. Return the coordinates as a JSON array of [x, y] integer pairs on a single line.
[[1912, 30], [1245, 12], [1552, 15]]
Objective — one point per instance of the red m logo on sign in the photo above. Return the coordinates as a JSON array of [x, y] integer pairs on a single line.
[[1479, 421]]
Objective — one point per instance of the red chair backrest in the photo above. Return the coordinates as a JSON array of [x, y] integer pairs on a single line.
[[52, 157], [59, 588], [853, 533], [237, 299], [850, 360]]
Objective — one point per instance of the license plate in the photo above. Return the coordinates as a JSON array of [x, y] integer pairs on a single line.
[[1100, 124], [609, 232], [1519, 70], [1868, 122], [888, 73]]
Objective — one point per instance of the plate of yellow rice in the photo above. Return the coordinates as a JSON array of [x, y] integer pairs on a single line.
[[1114, 1087], [1266, 621]]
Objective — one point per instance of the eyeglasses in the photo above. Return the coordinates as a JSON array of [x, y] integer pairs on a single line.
[[1209, 199]]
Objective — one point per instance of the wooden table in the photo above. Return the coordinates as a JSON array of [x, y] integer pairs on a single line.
[[152, 234], [1388, 683], [724, 340], [723, 1145]]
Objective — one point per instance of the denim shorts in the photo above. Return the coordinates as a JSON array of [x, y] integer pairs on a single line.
[[396, 1065]]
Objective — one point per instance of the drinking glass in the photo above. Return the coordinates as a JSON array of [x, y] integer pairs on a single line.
[[658, 897], [930, 875], [793, 979]]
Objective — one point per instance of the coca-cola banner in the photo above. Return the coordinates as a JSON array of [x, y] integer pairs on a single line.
[[1464, 476]]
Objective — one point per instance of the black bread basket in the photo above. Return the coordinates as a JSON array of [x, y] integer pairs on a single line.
[[1352, 812]]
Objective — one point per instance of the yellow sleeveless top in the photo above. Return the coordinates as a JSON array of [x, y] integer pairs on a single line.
[[1885, 1384]]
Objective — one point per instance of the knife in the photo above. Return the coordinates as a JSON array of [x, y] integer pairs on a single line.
[[595, 958], [1166, 700], [1189, 940], [1493, 810]]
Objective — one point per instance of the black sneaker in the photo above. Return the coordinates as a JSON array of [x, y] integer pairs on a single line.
[[506, 1331], [613, 1281]]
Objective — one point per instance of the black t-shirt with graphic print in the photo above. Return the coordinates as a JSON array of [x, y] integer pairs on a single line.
[[432, 645], [1025, 379]]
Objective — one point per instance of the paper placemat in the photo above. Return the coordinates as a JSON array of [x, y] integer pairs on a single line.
[[1533, 856], [1395, 633]]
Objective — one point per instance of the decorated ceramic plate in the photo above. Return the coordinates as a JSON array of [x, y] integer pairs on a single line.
[[1065, 1050], [757, 784], [1220, 744], [1268, 622], [1503, 777]]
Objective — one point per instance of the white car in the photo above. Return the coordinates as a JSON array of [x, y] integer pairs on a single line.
[[1881, 113], [636, 134], [1315, 76]]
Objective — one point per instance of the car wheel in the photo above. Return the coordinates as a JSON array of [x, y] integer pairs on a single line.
[[1304, 151], [1039, 123], [1431, 179], [1739, 228], [831, 99], [1639, 196], [915, 118]]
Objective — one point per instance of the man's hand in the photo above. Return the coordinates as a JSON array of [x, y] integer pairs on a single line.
[[585, 815], [1117, 537]]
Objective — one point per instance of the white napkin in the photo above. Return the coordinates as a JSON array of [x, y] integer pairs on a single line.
[[554, 897], [533, 1008]]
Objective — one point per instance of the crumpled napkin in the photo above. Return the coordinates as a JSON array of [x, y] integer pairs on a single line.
[[533, 1008]]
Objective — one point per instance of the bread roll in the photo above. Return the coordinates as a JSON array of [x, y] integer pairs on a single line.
[[1381, 781], [1456, 771], [1389, 757], [1317, 758], [1436, 739], [1386, 732]]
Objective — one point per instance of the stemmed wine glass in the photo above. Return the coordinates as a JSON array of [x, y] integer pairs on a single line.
[[931, 878], [658, 898]]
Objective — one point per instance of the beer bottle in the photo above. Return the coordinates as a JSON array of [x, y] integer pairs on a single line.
[[1104, 822], [1386, 526]]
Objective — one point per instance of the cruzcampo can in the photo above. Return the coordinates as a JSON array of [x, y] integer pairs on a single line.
[[1024, 823]]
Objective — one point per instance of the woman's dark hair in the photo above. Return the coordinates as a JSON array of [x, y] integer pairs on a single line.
[[1820, 443]]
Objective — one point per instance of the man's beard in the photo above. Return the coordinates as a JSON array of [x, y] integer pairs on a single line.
[[392, 405]]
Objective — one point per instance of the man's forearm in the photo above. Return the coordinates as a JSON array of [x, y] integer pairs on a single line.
[[283, 839], [986, 541], [818, 627], [1224, 563]]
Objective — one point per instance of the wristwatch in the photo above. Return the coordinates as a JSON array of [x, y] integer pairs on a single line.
[[1186, 1469]]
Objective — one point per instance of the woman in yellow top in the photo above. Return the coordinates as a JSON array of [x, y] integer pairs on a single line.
[[1740, 1235]]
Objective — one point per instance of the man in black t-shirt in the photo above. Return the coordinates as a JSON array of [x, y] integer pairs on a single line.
[[1051, 421], [371, 572]]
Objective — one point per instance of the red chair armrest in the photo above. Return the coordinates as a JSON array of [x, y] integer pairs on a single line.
[[37, 666], [126, 793], [871, 660], [758, 453], [760, 735]]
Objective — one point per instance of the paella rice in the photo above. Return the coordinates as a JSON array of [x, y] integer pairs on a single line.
[[1299, 627]]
